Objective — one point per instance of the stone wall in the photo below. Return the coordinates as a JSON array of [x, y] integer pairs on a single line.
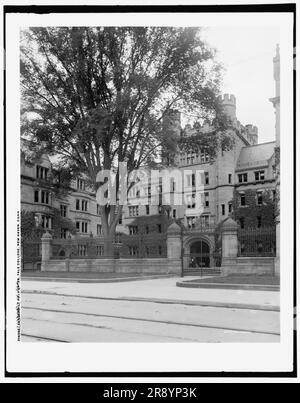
[[147, 266], [250, 265]]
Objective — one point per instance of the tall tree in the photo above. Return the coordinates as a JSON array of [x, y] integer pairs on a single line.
[[97, 96]]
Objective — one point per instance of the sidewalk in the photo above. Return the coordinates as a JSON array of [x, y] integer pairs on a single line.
[[161, 290]]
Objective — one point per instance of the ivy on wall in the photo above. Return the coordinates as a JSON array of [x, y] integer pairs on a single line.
[[148, 238], [33, 231], [251, 211]]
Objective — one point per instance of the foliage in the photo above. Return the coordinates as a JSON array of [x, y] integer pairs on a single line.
[[251, 211], [29, 230], [96, 96], [32, 230]]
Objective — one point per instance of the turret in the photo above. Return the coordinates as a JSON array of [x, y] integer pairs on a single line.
[[229, 105], [252, 133], [276, 100], [276, 71], [172, 121]]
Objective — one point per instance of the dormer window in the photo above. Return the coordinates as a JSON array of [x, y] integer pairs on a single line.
[[80, 184], [259, 175], [243, 178]]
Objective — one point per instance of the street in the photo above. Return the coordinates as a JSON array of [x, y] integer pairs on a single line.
[[49, 313]]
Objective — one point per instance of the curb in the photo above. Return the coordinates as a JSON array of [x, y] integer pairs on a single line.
[[254, 287], [97, 280], [212, 304]]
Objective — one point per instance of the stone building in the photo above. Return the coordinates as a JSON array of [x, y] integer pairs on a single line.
[[247, 165]]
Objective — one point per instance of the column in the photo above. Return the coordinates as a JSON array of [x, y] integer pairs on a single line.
[[46, 250]]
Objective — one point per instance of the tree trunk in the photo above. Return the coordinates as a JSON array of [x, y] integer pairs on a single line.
[[109, 245], [109, 225]]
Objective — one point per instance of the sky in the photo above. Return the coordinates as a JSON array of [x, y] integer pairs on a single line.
[[247, 55]]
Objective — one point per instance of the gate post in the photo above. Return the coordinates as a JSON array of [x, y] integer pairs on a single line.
[[174, 249], [229, 245], [46, 250], [174, 241]]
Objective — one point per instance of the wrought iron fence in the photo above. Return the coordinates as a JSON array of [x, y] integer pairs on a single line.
[[31, 254], [257, 241], [81, 248]]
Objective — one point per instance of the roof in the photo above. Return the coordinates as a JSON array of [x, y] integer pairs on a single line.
[[255, 155], [174, 228]]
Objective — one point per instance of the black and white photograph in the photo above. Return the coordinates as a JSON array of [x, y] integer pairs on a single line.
[[149, 191]]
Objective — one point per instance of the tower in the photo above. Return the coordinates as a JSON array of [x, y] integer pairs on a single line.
[[252, 133], [172, 122], [228, 102], [276, 100]]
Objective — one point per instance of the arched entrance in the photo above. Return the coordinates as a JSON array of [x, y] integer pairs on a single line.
[[199, 254]]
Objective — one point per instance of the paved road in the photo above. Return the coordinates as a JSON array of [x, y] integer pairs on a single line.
[[62, 318]]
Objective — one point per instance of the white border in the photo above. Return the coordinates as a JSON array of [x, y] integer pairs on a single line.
[[119, 357]]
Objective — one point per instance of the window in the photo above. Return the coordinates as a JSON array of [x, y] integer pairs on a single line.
[[46, 222], [242, 222], [206, 199], [259, 198], [99, 229], [147, 229], [80, 184], [98, 209], [204, 219], [133, 211], [259, 175], [133, 229], [147, 251], [159, 250], [206, 178], [159, 227], [36, 196], [191, 201], [229, 207], [45, 197], [82, 226], [147, 209], [243, 199], [81, 205], [174, 213], [63, 233], [100, 250], [41, 172], [81, 250], [191, 222], [229, 178], [243, 177], [173, 185], [63, 210], [133, 250], [223, 209], [120, 219], [258, 221], [193, 180]]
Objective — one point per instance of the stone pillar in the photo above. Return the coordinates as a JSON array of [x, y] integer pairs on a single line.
[[46, 250], [174, 241], [277, 257], [229, 245]]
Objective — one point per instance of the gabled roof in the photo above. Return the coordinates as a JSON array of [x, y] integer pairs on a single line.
[[255, 155]]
